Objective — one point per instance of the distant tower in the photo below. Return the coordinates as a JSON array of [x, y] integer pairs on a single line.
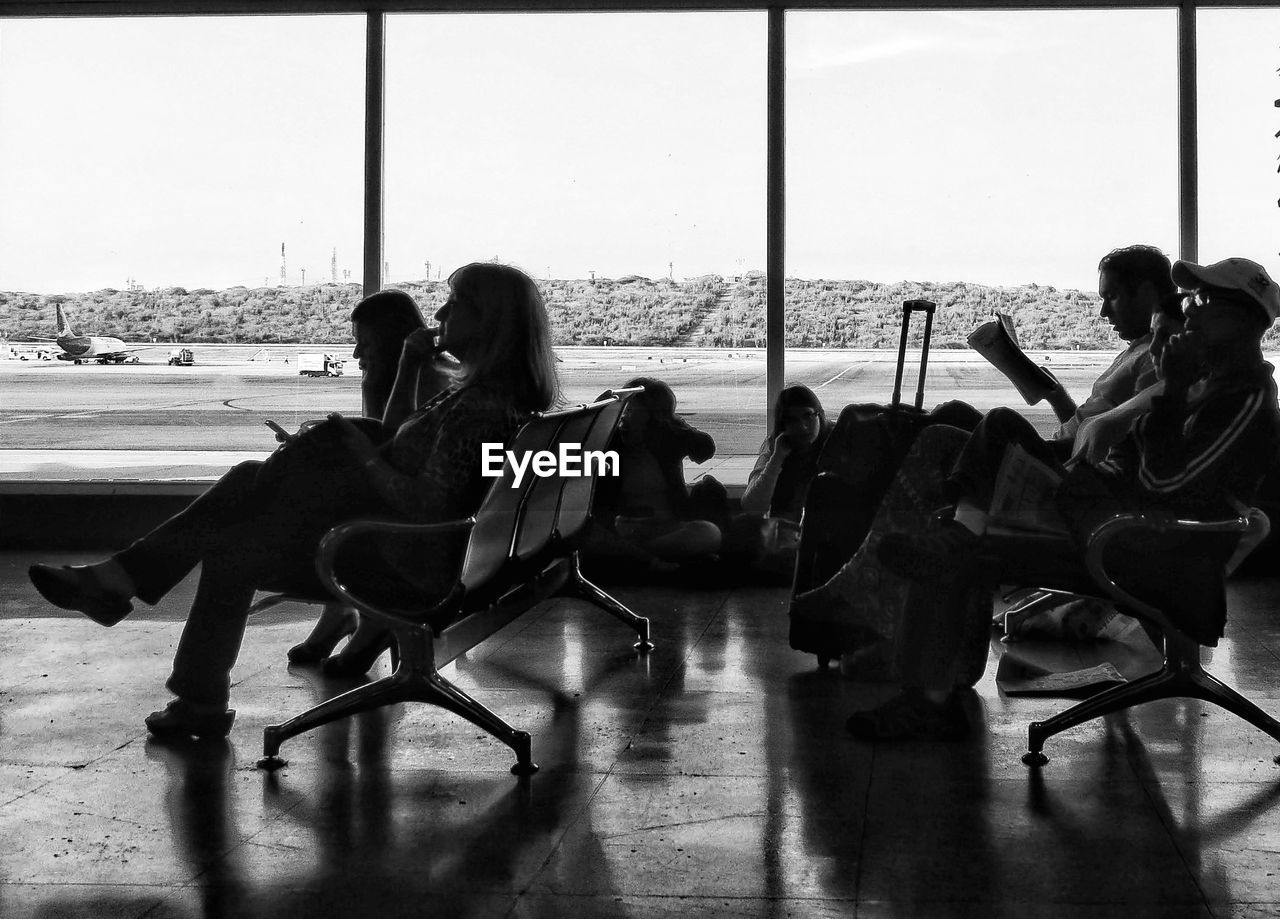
[[333, 265], [282, 264], [304, 277], [428, 264]]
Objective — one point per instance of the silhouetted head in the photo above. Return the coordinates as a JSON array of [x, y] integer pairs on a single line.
[[1134, 283], [656, 405], [495, 323], [1233, 304], [380, 323], [800, 415]]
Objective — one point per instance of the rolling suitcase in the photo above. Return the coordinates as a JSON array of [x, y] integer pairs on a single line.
[[855, 470]]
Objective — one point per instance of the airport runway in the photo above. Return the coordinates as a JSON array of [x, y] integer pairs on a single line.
[[221, 402]]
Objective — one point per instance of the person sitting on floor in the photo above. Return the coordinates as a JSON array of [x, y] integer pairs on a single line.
[[260, 524], [765, 538], [1201, 449], [788, 459], [645, 513]]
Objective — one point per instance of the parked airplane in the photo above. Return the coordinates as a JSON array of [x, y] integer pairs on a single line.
[[84, 348]]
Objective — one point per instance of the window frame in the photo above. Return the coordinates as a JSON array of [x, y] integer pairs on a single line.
[[375, 14]]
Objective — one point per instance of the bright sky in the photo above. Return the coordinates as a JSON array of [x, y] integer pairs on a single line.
[[1002, 148]]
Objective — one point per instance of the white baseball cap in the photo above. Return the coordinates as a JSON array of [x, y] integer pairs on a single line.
[[1240, 274]]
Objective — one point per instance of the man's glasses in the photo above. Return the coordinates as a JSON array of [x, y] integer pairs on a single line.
[[1206, 295]]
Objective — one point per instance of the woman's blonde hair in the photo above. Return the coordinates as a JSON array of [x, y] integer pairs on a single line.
[[517, 355]]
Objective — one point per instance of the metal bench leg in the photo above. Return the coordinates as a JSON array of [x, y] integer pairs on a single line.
[[386, 691], [415, 680], [1211, 689], [1163, 684], [579, 587], [448, 696]]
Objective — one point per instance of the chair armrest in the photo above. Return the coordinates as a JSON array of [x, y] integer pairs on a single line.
[[332, 543], [1155, 521]]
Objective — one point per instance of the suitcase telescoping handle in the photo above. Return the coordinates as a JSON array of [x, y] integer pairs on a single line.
[[908, 307]]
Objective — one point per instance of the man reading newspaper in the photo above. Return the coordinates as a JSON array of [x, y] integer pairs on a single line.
[[1135, 287], [1144, 307], [1201, 449]]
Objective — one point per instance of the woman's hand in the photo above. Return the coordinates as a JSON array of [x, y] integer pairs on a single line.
[[420, 345], [353, 440], [781, 448]]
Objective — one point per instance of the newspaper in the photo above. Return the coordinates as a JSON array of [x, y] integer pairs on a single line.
[[1014, 680], [1023, 496], [997, 341]]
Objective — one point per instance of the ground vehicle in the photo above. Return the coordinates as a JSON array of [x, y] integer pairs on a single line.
[[182, 357], [319, 365]]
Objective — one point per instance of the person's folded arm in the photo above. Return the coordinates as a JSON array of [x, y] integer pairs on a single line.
[[420, 374], [699, 446], [1097, 435], [764, 477], [1064, 407]]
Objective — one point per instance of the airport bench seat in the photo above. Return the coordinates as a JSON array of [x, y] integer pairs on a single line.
[[1183, 624], [521, 550]]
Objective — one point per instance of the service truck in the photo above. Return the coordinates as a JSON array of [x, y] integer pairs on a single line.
[[319, 365], [181, 357]]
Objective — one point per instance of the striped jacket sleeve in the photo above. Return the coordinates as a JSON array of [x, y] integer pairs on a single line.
[[1191, 455]]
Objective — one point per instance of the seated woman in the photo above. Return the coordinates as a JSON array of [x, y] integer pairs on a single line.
[[779, 483], [645, 512], [788, 460], [381, 323], [1211, 434], [259, 525]]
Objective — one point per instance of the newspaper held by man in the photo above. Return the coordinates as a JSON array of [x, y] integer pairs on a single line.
[[997, 341]]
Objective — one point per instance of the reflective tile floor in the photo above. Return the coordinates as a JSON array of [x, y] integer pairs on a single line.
[[710, 778]]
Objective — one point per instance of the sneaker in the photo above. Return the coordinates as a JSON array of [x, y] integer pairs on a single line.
[[942, 553], [911, 715], [183, 719]]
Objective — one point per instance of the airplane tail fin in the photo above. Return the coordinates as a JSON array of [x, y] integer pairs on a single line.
[[64, 327]]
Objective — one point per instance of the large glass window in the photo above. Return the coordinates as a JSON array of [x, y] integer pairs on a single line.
[[174, 184], [620, 160], [1239, 148], [983, 160]]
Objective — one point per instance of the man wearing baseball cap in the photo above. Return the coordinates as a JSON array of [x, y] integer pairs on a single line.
[[1202, 450], [1232, 278]]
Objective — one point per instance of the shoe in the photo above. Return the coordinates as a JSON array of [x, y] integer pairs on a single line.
[[182, 719], [911, 715], [360, 654], [80, 590], [324, 638], [941, 554]]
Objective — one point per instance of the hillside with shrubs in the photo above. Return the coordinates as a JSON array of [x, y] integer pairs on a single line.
[[706, 312]]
